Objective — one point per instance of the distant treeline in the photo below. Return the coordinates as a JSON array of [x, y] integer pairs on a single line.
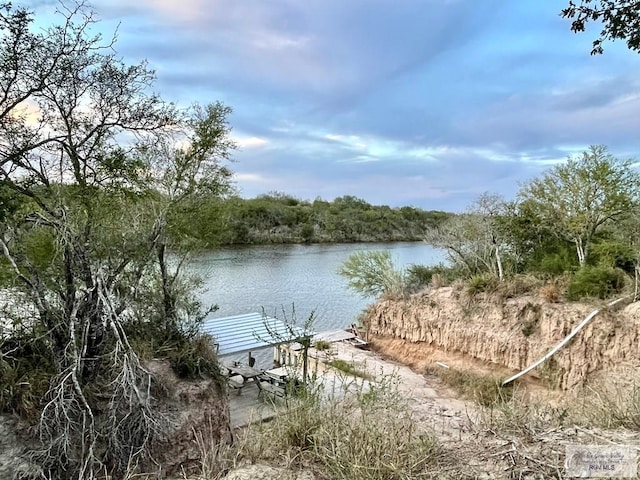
[[280, 218]]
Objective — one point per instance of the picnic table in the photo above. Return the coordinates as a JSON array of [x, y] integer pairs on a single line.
[[273, 382], [240, 375], [279, 374], [246, 372]]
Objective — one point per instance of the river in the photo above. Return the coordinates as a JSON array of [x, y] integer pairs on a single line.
[[278, 277]]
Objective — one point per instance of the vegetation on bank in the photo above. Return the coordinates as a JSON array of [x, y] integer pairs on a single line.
[[574, 229], [100, 179], [94, 167], [280, 218]]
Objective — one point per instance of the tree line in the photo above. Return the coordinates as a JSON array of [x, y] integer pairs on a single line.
[[280, 218], [577, 225], [580, 218]]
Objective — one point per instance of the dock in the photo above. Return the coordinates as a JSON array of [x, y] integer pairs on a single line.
[[247, 408]]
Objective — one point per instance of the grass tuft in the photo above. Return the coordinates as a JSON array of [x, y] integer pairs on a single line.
[[483, 389], [322, 345], [612, 405], [551, 293], [349, 368]]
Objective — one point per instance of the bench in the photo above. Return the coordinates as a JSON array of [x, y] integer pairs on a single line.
[[236, 382], [270, 388]]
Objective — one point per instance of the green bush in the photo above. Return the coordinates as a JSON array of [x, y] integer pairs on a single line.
[[373, 274], [595, 282], [322, 345], [481, 283], [26, 368], [613, 254], [422, 275], [557, 263]]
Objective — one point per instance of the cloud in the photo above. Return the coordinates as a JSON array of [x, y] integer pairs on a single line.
[[250, 142], [418, 101]]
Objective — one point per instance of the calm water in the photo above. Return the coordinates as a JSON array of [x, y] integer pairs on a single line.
[[248, 279]]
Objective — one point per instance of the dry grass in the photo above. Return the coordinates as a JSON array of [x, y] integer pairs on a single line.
[[360, 435], [550, 293], [485, 390], [372, 435], [516, 286], [489, 287], [438, 281], [611, 404]]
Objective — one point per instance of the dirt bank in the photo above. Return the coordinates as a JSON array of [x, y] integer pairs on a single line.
[[506, 335]]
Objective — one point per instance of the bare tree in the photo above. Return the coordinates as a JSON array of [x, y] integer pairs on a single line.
[[474, 240], [489, 207]]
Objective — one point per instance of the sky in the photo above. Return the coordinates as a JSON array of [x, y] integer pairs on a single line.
[[427, 103]]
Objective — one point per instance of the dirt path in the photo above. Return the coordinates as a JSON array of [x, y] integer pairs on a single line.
[[434, 406]]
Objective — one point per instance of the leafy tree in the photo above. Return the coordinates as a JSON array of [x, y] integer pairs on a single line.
[[372, 274], [464, 237], [627, 233], [579, 197], [92, 178], [180, 170], [620, 20]]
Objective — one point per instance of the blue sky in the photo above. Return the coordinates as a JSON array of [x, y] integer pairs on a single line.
[[401, 102]]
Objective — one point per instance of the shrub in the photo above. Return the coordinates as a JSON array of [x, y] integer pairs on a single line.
[[551, 292], [437, 275], [558, 263], [191, 354], [372, 274], [614, 254], [322, 345], [595, 282], [481, 283], [196, 358], [26, 368], [419, 275]]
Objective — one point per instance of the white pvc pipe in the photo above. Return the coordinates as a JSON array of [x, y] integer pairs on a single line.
[[564, 341]]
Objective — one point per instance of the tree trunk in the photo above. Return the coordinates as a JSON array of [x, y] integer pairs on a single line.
[[636, 279], [168, 296], [499, 263], [582, 258]]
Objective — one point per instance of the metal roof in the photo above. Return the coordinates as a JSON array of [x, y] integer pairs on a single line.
[[333, 336], [248, 332]]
